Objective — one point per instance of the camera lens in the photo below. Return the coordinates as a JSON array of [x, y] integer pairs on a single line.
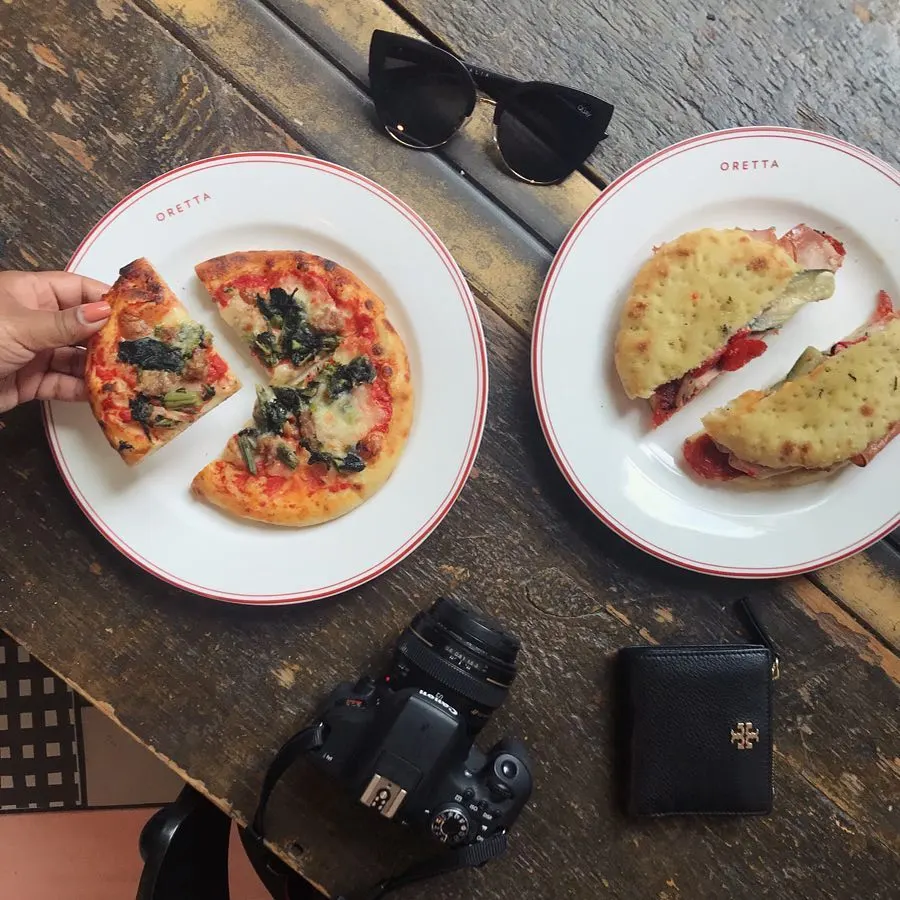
[[461, 653]]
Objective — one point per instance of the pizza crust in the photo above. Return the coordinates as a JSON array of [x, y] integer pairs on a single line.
[[822, 418], [689, 298]]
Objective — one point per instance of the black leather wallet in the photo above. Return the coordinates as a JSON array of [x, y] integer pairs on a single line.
[[696, 727]]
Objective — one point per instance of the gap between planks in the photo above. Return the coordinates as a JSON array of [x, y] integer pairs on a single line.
[[282, 121]]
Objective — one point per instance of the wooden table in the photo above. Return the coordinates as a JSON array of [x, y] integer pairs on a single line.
[[98, 96]]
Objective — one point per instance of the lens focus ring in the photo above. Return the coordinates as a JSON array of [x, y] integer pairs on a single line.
[[456, 679]]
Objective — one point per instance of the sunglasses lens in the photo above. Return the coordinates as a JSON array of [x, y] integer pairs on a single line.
[[422, 94], [544, 133]]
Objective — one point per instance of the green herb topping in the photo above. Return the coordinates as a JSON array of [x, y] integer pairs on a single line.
[[180, 399], [246, 441], [299, 341]]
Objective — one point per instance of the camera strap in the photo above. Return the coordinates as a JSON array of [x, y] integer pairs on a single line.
[[468, 856]]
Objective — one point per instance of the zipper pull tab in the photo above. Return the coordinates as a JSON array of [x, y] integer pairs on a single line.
[[760, 634]]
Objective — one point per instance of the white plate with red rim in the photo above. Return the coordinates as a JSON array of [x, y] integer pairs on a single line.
[[633, 477], [275, 201]]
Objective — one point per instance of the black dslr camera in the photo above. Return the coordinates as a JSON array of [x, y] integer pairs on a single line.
[[403, 743]]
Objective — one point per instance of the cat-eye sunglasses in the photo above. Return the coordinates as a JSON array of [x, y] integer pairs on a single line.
[[423, 95]]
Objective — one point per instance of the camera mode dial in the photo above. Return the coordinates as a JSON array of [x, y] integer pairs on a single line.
[[451, 825]]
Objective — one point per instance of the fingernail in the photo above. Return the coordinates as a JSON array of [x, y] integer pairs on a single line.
[[90, 313]]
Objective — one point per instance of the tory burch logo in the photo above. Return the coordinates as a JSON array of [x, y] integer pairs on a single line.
[[743, 735]]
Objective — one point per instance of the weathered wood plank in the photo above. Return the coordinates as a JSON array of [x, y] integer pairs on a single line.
[[162, 109], [342, 31], [504, 261], [215, 689], [679, 69], [280, 71], [562, 580], [869, 586]]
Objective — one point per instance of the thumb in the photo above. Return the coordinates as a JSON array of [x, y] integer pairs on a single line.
[[44, 330]]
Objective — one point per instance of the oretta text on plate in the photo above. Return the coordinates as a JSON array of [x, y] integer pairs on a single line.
[[171, 211]]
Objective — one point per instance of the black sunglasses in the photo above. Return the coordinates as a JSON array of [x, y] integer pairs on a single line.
[[424, 95]]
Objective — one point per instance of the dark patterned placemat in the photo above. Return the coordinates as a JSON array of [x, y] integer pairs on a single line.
[[40, 736]]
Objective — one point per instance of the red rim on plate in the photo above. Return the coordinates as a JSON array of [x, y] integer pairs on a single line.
[[465, 297], [592, 502]]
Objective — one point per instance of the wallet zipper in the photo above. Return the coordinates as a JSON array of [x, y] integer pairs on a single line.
[[762, 635]]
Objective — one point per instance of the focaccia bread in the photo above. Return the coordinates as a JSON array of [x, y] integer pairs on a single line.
[[699, 306], [832, 409], [689, 298], [824, 417]]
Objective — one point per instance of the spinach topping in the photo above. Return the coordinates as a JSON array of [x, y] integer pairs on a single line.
[[351, 461], [141, 408], [165, 422], [280, 305], [316, 454], [268, 413], [295, 398], [343, 378], [246, 441], [208, 392], [299, 341], [149, 353], [124, 445], [266, 347]]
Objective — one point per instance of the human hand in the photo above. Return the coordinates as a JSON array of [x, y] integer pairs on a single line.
[[43, 317]]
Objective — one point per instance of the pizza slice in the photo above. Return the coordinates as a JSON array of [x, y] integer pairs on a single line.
[[151, 370], [832, 409], [703, 303], [293, 309], [315, 450]]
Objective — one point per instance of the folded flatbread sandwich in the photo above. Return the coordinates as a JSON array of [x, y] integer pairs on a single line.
[[701, 304], [832, 409]]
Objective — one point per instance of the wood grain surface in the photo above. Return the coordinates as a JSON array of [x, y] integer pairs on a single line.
[[679, 69], [96, 98], [504, 252]]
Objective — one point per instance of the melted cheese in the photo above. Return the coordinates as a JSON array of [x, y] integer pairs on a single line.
[[243, 316], [345, 421]]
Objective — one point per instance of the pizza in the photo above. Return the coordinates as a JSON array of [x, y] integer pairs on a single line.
[[151, 370], [702, 304], [833, 409], [292, 309], [330, 427], [315, 450]]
